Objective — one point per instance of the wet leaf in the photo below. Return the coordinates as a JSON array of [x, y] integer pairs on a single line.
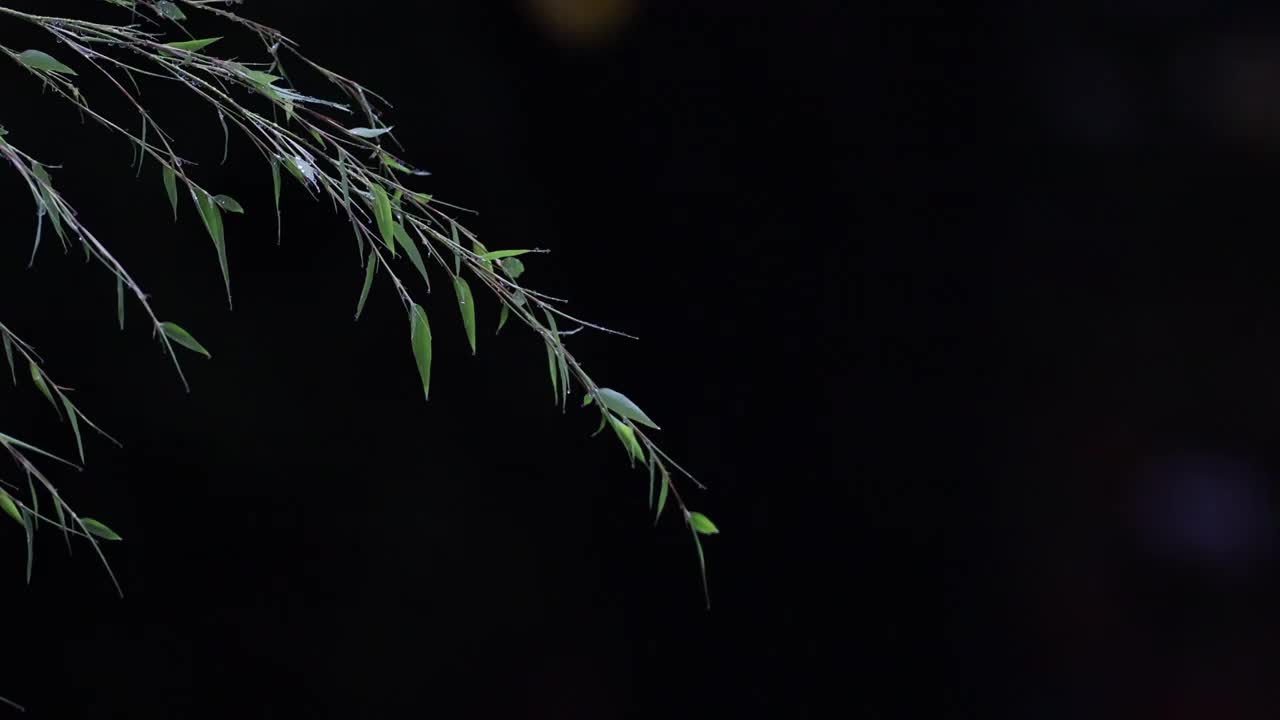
[[228, 203], [39, 60], [171, 11], [622, 405], [369, 133], [193, 45]]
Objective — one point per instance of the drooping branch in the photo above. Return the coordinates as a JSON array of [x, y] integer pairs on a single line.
[[392, 223]]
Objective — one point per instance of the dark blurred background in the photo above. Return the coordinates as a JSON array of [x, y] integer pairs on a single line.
[[1118, 553], [305, 537]]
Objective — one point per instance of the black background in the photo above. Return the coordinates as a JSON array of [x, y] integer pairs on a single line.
[[303, 535]]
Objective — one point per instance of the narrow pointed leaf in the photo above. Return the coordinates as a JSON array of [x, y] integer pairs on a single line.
[[39, 60], [457, 253], [663, 489], [653, 462], [411, 249], [702, 569], [262, 79], [382, 214], [171, 189], [500, 254], [369, 133], [554, 370], [8, 354], [193, 45], [75, 424], [46, 199], [183, 338], [622, 405], [62, 521], [628, 437], [97, 529], [503, 314], [120, 300], [466, 303], [370, 269], [228, 203], [212, 217], [702, 524], [9, 506], [275, 183], [420, 338], [37, 377], [29, 527]]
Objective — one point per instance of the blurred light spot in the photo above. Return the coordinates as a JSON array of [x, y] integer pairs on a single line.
[[1211, 510], [583, 22]]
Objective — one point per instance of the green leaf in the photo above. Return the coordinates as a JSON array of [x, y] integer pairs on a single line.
[[467, 304], [260, 78], [382, 214], [9, 506], [513, 267], [120, 300], [171, 11], [622, 405], [627, 435], [171, 188], [39, 60], [38, 378], [558, 364], [275, 183], [8, 354], [420, 338], [369, 133], [212, 217], [587, 399], [46, 199], [500, 254], [29, 526], [62, 520], [370, 268], [702, 569], [183, 338], [75, 424], [397, 165], [193, 45], [555, 371], [411, 249], [503, 314], [97, 529], [228, 203], [457, 254], [653, 461], [662, 494], [702, 524]]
